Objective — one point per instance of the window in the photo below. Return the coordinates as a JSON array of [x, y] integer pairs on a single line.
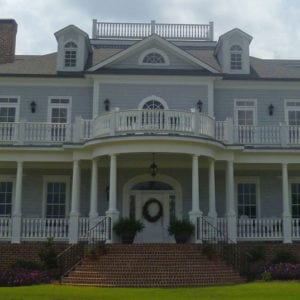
[[236, 57], [247, 199], [6, 194], [153, 104], [56, 190], [70, 54], [154, 58], [59, 114], [295, 199], [245, 120], [292, 116]]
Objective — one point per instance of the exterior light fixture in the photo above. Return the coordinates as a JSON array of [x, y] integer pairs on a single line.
[[33, 107], [199, 105], [153, 167], [106, 104], [271, 109]]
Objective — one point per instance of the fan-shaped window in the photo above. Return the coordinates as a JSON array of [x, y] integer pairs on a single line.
[[70, 54], [236, 57], [152, 185], [153, 104], [154, 58]]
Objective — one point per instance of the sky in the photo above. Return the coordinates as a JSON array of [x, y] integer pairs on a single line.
[[273, 24]]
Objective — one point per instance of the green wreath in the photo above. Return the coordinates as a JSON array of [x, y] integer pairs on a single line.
[[146, 214]]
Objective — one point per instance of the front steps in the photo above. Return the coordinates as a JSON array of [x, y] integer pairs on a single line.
[[152, 265]]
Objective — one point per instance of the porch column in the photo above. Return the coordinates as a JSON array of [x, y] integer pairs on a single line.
[[195, 212], [17, 207], [93, 215], [74, 214], [112, 212], [212, 213], [286, 214], [230, 207]]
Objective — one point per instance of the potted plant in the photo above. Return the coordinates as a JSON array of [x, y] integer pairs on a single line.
[[182, 230], [127, 228]]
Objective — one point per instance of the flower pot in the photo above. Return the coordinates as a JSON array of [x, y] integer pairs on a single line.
[[182, 238], [127, 238]]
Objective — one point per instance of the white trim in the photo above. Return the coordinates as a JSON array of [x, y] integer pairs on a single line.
[[153, 97], [16, 105], [163, 42], [248, 107], [56, 178], [248, 179], [70, 49], [10, 178], [290, 108], [153, 50], [68, 106]]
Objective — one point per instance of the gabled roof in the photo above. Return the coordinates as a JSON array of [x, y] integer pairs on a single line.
[[71, 27], [162, 42]]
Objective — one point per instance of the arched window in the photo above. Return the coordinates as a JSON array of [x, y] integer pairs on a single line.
[[70, 54], [236, 57], [153, 104], [154, 58]]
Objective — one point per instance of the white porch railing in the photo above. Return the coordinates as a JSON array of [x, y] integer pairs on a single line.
[[296, 228], [83, 227], [140, 30], [5, 228], [38, 228], [263, 228]]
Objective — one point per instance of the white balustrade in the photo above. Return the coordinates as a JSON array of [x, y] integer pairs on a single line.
[[42, 228], [83, 227], [220, 130], [87, 129], [8, 132], [5, 228], [141, 30], [262, 228], [222, 227], [293, 135], [296, 228]]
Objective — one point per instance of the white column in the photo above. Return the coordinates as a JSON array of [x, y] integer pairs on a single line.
[[230, 203], [74, 214], [112, 212], [195, 212], [286, 214], [94, 194], [212, 213], [17, 207]]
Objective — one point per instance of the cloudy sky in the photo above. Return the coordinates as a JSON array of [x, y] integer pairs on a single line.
[[274, 24]]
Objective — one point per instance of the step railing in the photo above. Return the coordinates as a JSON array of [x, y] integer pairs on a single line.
[[73, 255], [222, 245]]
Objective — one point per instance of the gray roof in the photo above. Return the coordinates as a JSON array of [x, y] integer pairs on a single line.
[[45, 65]]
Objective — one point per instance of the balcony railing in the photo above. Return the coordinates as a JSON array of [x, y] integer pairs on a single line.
[[102, 30], [161, 122]]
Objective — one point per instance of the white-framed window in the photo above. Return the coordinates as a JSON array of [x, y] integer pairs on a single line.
[[7, 186], [9, 109], [70, 54], [245, 111], [294, 194], [153, 57], [247, 197], [59, 109], [292, 112], [56, 196], [153, 102], [236, 57]]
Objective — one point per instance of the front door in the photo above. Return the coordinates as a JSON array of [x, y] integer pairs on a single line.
[[153, 210]]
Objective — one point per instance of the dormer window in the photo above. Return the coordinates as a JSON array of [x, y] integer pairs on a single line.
[[236, 57], [70, 54], [153, 57]]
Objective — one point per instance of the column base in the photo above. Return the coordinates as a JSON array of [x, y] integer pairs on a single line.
[[93, 220], [16, 229], [114, 215], [73, 231], [193, 216], [212, 219], [232, 227], [287, 228]]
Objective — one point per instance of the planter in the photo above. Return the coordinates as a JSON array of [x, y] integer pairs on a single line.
[[127, 238], [182, 238]]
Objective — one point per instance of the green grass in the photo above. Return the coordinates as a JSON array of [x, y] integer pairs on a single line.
[[257, 291]]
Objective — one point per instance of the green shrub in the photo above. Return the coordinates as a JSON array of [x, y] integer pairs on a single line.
[[48, 255], [284, 256], [256, 254], [26, 265], [266, 276], [181, 227], [127, 226]]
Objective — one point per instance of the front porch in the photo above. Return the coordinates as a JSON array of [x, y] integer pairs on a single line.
[[257, 202]]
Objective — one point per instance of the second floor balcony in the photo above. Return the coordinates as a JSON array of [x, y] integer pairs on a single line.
[[152, 122]]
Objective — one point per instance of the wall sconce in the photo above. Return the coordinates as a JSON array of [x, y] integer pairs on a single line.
[[153, 167], [271, 109], [199, 105], [106, 104], [33, 107]]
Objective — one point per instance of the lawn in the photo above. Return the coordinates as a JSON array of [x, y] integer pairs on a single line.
[[257, 291]]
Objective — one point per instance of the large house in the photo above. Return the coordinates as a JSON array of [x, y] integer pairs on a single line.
[[148, 119]]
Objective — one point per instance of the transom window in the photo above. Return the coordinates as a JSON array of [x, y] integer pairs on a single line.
[[236, 57], [70, 54], [153, 104], [247, 199], [6, 194], [59, 110], [56, 200], [295, 199], [154, 58]]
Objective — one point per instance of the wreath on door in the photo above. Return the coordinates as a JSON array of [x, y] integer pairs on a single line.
[[146, 213]]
